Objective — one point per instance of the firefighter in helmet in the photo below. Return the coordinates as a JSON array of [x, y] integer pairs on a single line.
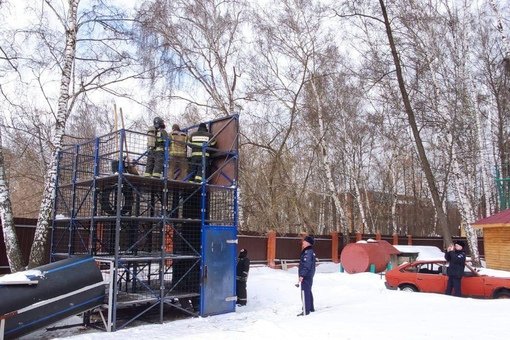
[[178, 167], [156, 149], [198, 139]]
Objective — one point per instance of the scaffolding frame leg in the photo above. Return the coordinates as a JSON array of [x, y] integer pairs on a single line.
[[2, 328]]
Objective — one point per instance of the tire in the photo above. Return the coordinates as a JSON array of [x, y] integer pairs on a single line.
[[108, 200], [502, 294], [408, 288]]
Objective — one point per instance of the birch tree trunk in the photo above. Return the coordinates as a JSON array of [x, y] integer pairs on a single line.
[[465, 208], [465, 188], [359, 200], [12, 249], [326, 164], [394, 227], [394, 180], [41, 233], [483, 163], [483, 149]]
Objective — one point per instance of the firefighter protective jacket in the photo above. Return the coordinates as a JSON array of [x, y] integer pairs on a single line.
[[199, 138]]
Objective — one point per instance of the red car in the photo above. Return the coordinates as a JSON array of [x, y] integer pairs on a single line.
[[430, 277]]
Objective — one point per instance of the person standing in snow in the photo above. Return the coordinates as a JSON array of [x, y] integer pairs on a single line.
[[243, 267], [456, 256], [306, 272]]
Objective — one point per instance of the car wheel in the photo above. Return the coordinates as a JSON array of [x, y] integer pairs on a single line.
[[408, 288], [502, 294]]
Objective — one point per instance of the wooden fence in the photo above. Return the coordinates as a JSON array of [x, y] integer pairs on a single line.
[[273, 250], [25, 229], [268, 249]]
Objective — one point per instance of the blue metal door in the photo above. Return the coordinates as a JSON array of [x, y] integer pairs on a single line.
[[218, 270]]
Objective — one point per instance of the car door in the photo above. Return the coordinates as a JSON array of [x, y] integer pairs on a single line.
[[429, 280], [472, 284]]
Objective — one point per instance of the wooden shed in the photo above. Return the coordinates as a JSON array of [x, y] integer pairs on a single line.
[[496, 238]]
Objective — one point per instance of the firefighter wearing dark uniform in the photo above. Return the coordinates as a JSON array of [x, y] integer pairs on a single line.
[[306, 273], [156, 149], [243, 267], [197, 140]]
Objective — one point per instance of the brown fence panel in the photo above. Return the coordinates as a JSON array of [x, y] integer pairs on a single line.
[[287, 247], [322, 247], [25, 229], [428, 241], [256, 246]]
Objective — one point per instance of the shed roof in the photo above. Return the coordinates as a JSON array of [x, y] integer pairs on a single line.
[[501, 219]]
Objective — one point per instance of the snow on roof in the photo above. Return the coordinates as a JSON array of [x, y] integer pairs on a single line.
[[424, 252]]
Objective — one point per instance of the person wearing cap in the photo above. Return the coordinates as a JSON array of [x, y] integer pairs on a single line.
[[456, 257], [198, 140], [306, 273], [242, 269], [156, 137]]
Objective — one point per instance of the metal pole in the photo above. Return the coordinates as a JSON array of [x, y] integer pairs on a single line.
[[113, 280], [92, 236], [70, 246], [2, 329], [120, 176], [59, 158], [164, 206]]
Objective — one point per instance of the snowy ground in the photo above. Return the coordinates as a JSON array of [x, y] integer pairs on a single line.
[[347, 306]]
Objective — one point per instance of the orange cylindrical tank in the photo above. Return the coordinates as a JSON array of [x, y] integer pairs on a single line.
[[357, 257]]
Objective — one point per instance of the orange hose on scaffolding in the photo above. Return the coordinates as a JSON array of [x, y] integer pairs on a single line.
[[99, 234], [169, 243]]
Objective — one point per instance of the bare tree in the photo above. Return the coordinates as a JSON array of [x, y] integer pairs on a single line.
[[41, 233], [441, 215], [200, 38], [102, 61], [9, 232], [13, 251]]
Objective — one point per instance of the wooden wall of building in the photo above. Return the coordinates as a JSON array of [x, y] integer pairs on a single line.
[[497, 247]]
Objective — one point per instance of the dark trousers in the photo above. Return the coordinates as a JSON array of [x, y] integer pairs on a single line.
[[242, 296], [196, 168], [306, 287], [154, 165], [453, 283]]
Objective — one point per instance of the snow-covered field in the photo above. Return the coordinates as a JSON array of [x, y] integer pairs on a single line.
[[347, 306]]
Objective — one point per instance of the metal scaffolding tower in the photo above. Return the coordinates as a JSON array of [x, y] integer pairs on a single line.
[[165, 244]]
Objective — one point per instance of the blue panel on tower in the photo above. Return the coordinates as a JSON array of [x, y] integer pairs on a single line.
[[218, 270]]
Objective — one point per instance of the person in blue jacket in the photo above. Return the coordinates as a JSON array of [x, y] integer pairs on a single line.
[[306, 272], [456, 256]]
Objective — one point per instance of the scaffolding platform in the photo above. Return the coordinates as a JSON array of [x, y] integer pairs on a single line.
[[158, 241]]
